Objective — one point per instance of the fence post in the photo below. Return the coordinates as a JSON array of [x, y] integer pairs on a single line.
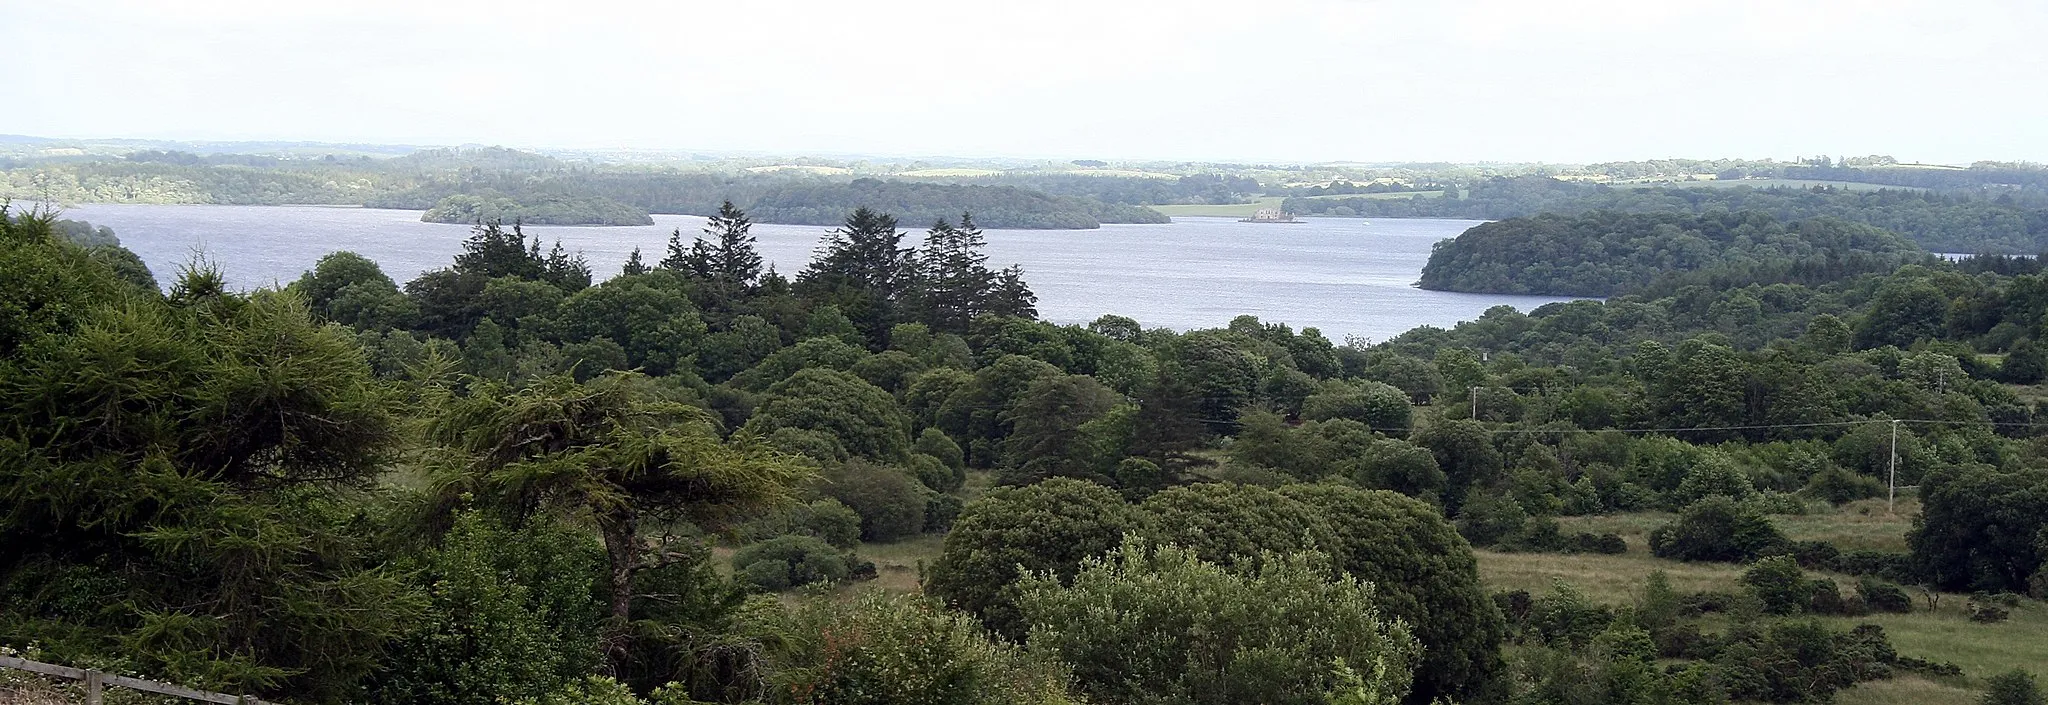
[[92, 688]]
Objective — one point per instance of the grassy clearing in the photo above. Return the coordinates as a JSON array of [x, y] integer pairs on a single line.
[[1907, 690], [898, 565], [1234, 210]]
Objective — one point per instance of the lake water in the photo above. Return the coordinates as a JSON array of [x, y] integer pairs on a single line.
[[1345, 276]]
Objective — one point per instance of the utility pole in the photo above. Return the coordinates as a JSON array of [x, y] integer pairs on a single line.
[[1891, 495], [1475, 403]]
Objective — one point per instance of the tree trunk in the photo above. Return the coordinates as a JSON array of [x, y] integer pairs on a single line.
[[622, 546]]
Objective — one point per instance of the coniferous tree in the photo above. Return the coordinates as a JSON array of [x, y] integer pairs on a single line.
[[952, 281], [634, 265], [734, 259], [1011, 296], [861, 268]]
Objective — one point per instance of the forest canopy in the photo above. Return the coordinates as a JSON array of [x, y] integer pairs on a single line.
[[1603, 253]]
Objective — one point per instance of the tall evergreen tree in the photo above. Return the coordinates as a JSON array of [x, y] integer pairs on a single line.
[[734, 259], [952, 281], [861, 268], [1010, 296], [634, 265]]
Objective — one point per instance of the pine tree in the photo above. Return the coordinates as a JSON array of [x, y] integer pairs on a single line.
[[1011, 296], [634, 265], [952, 281], [734, 261]]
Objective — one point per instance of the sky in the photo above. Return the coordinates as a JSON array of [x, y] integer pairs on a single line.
[[1572, 81]]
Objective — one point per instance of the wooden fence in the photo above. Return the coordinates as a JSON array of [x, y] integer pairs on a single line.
[[96, 680]]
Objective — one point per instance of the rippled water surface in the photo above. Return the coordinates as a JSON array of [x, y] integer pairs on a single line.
[[1345, 276]]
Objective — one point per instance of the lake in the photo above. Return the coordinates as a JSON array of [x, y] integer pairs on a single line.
[[1345, 276]]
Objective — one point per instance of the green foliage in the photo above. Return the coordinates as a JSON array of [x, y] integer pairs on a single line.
[[994, 206], [1604, 253], [1980, 528], [1144, 625], [610, 450], [786, 562], [891, 504], [556, 210], [879, 650], [1382, 407], [511, 615], [864, 419], [187, 460], [1426, 576], [1047, 421], [1717, 529], [1048, 527], [1229, 524], [2013, 687]]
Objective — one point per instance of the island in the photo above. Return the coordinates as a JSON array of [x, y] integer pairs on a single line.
[[546, 210]]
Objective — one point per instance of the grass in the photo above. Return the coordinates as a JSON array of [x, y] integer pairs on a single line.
[[898, 565], [1942, 634], [1907, 690], [1234, 210]]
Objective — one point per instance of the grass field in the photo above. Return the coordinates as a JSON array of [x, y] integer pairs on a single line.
[[1942, 634]]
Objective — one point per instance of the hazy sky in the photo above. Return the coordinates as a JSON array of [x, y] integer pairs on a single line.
[[1304, 80]]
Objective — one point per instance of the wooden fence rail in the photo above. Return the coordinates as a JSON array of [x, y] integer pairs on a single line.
[[96, 680]]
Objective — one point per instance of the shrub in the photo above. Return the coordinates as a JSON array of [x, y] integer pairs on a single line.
[[1838, 486], [787, 562], [1143, 625], [934, 474], [890, 504], [1716, 529], [1227, 523], [511, 615], [1488, 518], [882, 650], [1780, 584], [940, 510], [1881, 596], [1047, 527], [2014, 687]]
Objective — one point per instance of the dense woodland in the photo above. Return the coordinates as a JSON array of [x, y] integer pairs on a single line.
[[513, 480], [476, 185], [1603, 253], [2009, 223]]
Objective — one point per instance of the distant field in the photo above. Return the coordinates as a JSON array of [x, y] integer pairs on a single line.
[[1235, 210], [1118, 173], [1758, 183], [822, 170], [1405, 194], [949, 173]]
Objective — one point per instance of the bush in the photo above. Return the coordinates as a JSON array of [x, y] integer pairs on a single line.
[[1145, 625], [882, 650], [1717, 529], [1488, 518], [934, 474], [1881, 596], [1228, 524], [890, 504], [1838, 486], [940, 510], [827, 519], [1780, 584], [1426, 576], [786, 562], [511, 615], [2014, 687], [1048, 527]]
